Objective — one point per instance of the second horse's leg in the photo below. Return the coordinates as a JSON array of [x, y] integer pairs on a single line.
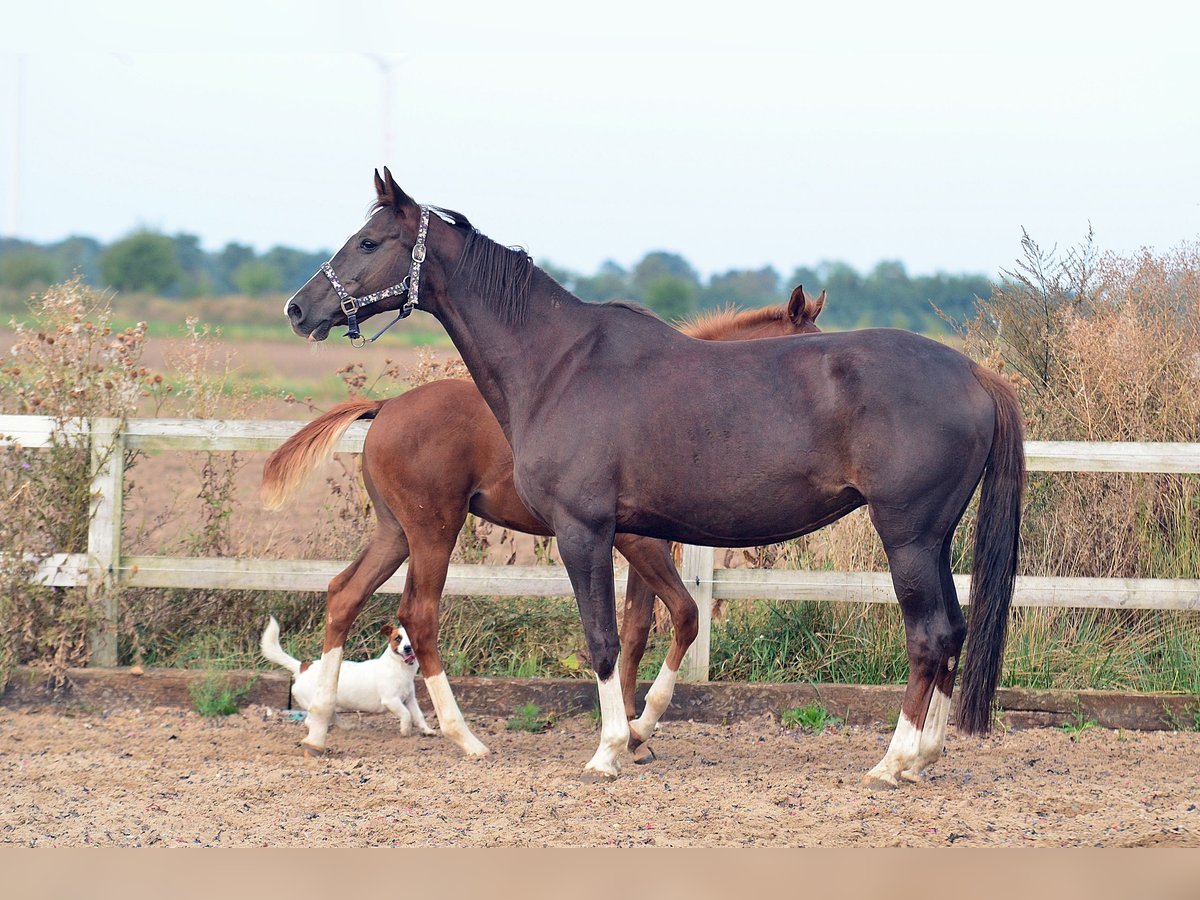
[[347, 593], [653, 561], [418, 614]]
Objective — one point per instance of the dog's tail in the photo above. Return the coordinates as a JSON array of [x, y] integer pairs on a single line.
[[273, 650], [312, 445]]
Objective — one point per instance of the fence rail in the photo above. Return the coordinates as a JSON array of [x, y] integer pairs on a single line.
[[104, 570]]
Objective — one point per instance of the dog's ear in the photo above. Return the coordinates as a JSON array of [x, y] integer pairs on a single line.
[[387, 629]]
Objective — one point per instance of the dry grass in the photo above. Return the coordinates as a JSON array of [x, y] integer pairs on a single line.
[[1102, 347]]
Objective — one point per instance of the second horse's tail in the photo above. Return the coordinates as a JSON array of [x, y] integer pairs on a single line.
[[289, 466]]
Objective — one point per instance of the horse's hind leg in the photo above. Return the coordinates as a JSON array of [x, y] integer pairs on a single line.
[[347, 593], [653, 561], [934, 631], [636, 622]]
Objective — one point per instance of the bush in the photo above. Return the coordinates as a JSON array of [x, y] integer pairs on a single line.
[[71, 365]]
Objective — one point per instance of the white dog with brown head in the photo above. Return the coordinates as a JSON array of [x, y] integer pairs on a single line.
[[384, 683]]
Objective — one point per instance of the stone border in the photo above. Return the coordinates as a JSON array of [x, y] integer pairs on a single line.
[[711, 702]]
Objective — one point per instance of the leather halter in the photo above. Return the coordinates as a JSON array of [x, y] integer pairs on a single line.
[[410, 286]]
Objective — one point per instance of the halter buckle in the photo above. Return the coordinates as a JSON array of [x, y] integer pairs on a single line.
[[349, 306]]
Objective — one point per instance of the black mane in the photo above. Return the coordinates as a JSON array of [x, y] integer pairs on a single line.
[[498, 275]]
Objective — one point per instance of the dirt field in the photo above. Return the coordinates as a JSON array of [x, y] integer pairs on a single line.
[[168, 778]]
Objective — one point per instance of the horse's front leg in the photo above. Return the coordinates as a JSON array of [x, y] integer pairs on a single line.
[[347, 593], [418, 613], [586, 550]]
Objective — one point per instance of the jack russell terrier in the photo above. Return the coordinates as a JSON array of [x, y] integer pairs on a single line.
[[386, 682]]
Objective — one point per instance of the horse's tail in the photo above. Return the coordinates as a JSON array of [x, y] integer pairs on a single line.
[[993, 576], [308, 448], [273, 650]]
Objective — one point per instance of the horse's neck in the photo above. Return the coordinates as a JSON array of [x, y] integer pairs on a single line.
[[505, 358]]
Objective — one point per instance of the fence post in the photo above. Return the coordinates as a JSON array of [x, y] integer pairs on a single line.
[[698, 576], [104, 537]]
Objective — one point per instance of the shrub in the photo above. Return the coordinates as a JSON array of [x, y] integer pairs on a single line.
[[67, 363]]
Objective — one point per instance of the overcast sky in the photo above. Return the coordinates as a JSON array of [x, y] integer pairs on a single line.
[[752, 134]]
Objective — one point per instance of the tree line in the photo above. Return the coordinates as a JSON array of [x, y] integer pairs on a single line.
[[177, 266]]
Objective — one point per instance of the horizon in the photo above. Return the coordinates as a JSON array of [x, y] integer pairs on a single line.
[[723, 141]]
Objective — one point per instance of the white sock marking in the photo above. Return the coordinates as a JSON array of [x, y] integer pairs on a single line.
[[320, 711], [911, 750], [614, 727], [658, 698], [450, 717]]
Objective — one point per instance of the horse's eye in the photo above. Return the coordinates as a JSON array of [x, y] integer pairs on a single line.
[[366, 245]]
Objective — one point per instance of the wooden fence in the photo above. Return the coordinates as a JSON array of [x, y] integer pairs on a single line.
[[104, 570]]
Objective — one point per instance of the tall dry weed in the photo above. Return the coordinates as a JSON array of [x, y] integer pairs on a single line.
[[67, 363]]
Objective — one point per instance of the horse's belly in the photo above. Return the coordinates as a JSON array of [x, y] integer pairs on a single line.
[[736, 520]]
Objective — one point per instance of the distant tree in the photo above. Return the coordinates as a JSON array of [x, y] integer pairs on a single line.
[[144, 261], [611, 282], [257, 277], [229, 259], [295, 266], [23, 269], [79, 255], [660, 264], [561, 274], [746, 288], [671, 297]]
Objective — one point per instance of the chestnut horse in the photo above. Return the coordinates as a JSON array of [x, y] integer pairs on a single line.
[[618, 423], [436, 453]]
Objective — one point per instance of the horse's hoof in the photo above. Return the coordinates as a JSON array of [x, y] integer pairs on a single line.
[[593, 776], [634, 741], [312, 752], [879, 782], [643, 755]]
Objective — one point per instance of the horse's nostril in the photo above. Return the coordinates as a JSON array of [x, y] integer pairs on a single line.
[[294, 313]]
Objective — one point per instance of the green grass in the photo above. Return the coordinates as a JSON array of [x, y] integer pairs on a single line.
[[812, 718], [530, 718], [215, 695], [1077, 724]]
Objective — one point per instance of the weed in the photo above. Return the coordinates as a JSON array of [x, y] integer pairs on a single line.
[[812, 718], [1078, 724], [530, 718], [215, 695]]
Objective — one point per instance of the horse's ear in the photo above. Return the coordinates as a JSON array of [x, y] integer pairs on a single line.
[[393, 196], [812, 308], [796, 305], [380, 187]]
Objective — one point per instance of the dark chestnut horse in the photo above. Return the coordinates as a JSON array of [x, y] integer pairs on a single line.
[[436, 453], [620, 424]]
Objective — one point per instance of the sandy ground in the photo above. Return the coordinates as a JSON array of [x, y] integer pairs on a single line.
[[169, 778]]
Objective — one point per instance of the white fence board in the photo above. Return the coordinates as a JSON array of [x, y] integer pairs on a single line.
[[707, 584]]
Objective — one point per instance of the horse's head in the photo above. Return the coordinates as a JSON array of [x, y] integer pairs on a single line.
[[386, 265], [802, 311]]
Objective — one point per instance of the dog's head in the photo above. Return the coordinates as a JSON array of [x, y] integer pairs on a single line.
[[399, 644]]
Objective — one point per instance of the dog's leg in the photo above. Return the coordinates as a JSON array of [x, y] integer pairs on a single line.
[[418, 717], [398, 709], [347, 593]]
